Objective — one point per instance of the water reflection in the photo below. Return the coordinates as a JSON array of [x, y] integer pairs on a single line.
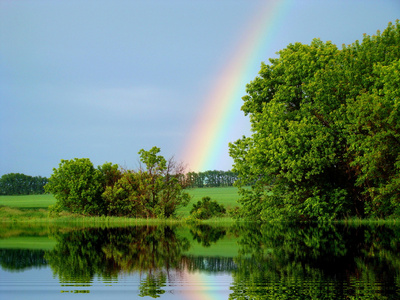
[[21, 259], [149, 250], [206, 234], [272, 261], [317, 262]]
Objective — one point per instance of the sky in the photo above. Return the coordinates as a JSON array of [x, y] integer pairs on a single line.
[[104, 79]]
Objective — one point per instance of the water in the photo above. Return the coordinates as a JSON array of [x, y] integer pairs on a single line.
[[200, 262]]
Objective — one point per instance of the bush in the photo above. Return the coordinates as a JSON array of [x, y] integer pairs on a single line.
[[207, 208], [78, 187], [154, 191]]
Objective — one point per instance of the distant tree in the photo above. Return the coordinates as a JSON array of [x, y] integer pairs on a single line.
[[21, 184], [211, 178]]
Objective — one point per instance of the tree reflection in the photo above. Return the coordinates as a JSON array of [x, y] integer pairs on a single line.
[[275, 261], [21, 259], [152, 285], [153, 250], [322, 261], [206, 234]]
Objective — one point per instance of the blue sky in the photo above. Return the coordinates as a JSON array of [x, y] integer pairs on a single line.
[[104, 79]]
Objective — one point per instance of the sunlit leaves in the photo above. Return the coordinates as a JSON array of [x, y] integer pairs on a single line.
[[325, 132]]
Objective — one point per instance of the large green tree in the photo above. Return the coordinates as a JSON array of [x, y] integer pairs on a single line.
[[78, 186], [325, 132]]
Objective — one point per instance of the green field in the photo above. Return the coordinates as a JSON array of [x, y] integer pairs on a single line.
[[34, 207], [28, 201], [225, 195]]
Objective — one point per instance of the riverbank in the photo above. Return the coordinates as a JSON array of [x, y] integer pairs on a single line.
[[35, 208]]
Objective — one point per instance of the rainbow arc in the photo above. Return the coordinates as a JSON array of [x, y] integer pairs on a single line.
[[206, 141]]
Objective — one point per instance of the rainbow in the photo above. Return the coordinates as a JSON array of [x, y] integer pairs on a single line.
[[202, 286], [207, 140]]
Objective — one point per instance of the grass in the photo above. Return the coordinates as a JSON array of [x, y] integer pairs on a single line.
[[34, 208], [28, 201], [227, 196]]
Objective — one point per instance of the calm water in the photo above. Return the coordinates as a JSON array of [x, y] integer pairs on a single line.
[[200, 262]]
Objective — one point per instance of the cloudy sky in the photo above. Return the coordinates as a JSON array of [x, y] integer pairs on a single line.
[[104, 79]]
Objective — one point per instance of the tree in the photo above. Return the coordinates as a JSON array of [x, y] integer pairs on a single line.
[[211, 178], [21, 184], [78, 186], [155, 190], [309, 156], [375, 142]]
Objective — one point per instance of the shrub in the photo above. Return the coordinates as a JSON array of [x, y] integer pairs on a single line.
[[154, 191], [207, 208]]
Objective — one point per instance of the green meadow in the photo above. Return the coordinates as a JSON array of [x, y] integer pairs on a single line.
[[28, 201], [27, 207]]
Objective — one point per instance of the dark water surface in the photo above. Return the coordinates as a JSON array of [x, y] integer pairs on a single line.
[[269, 261]]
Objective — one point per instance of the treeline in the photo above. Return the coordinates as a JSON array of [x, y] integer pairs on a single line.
[[21, 184], [211, 179]]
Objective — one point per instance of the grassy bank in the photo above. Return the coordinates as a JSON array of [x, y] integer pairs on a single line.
[[34, 208], [28, 201]]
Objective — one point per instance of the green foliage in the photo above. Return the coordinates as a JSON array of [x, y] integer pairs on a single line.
[[375, 119], [21, 184], [156, 191], [227, 196], [78, 186], [206, 209], [325, 141], [121, 197]]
